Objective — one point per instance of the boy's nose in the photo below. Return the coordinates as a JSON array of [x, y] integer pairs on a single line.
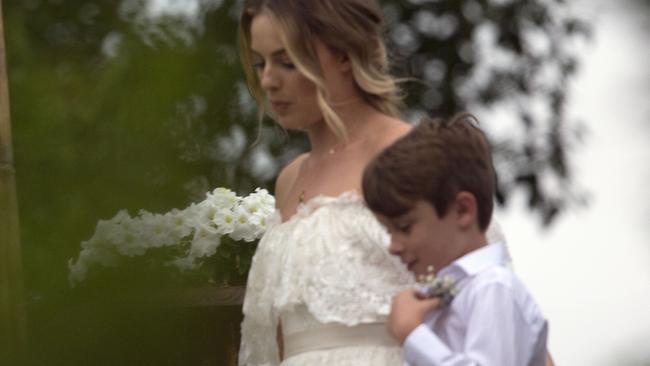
[[395, 247]]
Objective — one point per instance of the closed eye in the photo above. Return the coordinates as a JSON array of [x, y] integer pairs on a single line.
[[287, 64], [404, 228]]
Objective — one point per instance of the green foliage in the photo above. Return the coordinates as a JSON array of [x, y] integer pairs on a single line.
[[514, 56], [94, 134]]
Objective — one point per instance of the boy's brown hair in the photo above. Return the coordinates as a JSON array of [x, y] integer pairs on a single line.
[[435, 161]]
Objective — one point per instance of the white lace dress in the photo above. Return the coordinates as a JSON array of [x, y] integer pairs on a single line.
[[328, 264]]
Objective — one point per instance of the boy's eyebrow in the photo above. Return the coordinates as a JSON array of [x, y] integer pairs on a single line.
[[402, 217]]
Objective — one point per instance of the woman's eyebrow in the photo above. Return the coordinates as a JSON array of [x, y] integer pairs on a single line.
[[280, 52]]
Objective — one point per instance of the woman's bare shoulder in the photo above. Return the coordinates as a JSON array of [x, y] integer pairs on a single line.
[[392, 129], [287, 177]]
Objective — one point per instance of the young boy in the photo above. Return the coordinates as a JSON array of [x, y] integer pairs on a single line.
[[433, 190]]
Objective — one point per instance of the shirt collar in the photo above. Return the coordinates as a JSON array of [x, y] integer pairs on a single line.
[[477, 260]]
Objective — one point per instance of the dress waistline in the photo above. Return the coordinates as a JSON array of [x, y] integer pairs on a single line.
[[330, 336]]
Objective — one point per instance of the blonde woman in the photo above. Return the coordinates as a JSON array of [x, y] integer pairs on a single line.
[[322, 280]]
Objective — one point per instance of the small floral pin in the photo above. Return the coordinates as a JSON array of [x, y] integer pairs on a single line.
[[428, 285]]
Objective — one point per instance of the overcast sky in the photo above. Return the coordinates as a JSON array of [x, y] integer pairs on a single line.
[[591, 271]]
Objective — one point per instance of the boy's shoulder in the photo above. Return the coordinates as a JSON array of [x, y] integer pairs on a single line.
[[496, 275], [500, 286]]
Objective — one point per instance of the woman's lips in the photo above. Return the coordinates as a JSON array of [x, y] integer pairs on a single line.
[[279, 108]]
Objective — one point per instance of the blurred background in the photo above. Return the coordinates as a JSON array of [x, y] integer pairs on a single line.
[[140, 104], [590, 271]]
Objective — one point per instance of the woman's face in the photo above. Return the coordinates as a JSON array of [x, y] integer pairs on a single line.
[[291, 96]]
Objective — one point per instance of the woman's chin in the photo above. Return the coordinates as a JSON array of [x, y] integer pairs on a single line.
[[291, 124], [297, 122]]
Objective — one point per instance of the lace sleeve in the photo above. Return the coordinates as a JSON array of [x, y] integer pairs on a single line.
[[258, 335], [330, 257], [340, 268]]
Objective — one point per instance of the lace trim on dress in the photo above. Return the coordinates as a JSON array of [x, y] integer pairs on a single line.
[[332, 257]]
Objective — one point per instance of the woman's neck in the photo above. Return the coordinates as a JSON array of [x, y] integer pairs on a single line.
[[357, 117]]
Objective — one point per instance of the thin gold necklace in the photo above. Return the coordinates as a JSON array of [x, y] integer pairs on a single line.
[[333, 150]]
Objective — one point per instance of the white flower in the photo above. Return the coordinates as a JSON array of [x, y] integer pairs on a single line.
[[245, 229], [200, 226], [93, 252], [260, 202], [107, 230], [121, 216], [224, 220], [205, 241], [97, 252], [156, 230], [130, 245], [77, 270], [204, 213], [259, 206], [179, 226], [222, 197], [252, 204], [260, 221]]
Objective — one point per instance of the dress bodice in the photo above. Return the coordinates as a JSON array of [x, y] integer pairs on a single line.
[[331, 259], [329, 263]]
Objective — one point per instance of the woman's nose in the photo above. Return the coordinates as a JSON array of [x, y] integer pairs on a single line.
[[269, 79]]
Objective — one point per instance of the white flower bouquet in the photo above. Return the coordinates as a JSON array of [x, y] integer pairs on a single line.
[[204, 234]]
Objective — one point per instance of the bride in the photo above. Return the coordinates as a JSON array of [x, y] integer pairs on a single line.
[[322, 280]]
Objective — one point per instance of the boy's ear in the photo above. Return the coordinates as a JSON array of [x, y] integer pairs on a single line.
[[466, 209]]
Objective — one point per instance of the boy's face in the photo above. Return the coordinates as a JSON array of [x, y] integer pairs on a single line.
[[421, 238]]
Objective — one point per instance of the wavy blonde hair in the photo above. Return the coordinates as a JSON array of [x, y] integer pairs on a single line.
[[352, 27]]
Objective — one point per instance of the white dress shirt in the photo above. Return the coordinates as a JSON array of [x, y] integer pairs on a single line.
[[492, 321]]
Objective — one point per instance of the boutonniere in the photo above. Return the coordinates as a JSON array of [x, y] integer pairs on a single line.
[[429, 285]]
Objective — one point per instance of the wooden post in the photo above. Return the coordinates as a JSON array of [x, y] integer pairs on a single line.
[[12, 311]]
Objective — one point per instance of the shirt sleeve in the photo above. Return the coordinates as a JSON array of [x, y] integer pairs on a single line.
[[423, 347], [498, 334]]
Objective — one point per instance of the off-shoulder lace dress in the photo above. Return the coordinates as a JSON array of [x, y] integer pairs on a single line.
[[327, 265]]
